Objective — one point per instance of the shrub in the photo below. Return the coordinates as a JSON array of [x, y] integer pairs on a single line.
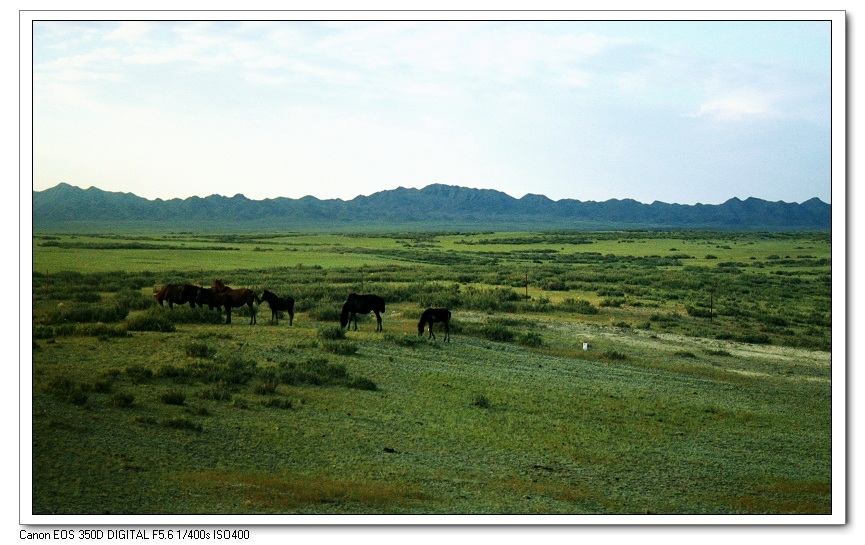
[[579, 306], [43, 332], [100, 330], [361, 383], [684, 354], [698, 312], [197, 315], [218, 392], [134, 300], [174, 397], [239, 402], [278, 403], [319, 372], [497, 332], [87, 297], [481, 402], [151, 320], [234, 371], [197, 349], [182, 424], [171, 371], [325, 313], [753, 338], [341, 348], [65, 389], [530, 339], [268, 380], [86, 313], [612, 355], [406, 341], [332, 332], [490, 300], [779, 321], [138, 373], [664, 318], [122, 400]]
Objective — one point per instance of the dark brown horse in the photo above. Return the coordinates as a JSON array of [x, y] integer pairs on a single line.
[[210, 297], [177, 294], [361, 304], [279, 304], [435, 315], [235, 298]]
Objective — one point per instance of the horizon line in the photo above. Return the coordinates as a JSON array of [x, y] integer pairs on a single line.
[[435, 184]]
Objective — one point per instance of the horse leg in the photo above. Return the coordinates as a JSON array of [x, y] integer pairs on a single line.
[[431, 334], [447, 332], [274, 315], [252, 312], [378, 319], [353, 317], [228, 313]]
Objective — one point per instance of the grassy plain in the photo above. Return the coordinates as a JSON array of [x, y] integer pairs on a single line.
[[705, 389]]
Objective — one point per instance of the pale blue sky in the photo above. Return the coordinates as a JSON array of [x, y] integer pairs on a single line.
[[672, 111]]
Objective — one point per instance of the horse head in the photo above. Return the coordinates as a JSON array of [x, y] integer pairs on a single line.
[[343, 316]]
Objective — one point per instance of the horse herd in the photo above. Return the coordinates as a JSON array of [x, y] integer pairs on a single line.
[[219, 296]]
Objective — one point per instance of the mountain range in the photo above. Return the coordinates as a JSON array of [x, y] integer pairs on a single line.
[[66, 208]]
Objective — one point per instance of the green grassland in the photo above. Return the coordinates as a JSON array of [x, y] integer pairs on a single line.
[[705, 389]]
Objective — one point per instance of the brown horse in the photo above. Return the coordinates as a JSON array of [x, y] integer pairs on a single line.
[[235, 298], [179, 294]]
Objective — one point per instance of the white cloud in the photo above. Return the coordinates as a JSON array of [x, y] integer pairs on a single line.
[[737, 106], [130, 30]]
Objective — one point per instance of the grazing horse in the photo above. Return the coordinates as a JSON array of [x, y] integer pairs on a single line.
[[235, 298], [435, 315], [179, 294], [276, 304], [361, 304]]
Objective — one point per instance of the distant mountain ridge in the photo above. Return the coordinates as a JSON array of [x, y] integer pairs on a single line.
[[438, 206]]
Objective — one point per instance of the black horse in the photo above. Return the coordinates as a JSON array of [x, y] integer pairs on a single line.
[[277, 304], [177, 294], [435, 315], [361, 304]]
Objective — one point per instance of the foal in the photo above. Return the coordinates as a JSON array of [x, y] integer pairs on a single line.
[[435, 315]]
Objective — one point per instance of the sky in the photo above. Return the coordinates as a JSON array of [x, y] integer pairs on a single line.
[[675, 111]]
